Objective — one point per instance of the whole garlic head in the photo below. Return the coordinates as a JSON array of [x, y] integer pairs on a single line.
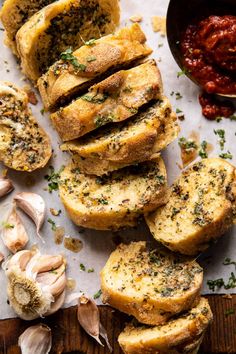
[[36, 283]]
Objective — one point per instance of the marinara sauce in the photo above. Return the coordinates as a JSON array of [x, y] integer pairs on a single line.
[[209, 54]]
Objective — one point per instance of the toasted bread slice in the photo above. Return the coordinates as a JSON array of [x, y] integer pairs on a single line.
[[178, 336], [126, 143], [62, 81], [150, 285], [14, 13], [61, 25], [200, 209], [114, 201], [24, 145], [109, 101]]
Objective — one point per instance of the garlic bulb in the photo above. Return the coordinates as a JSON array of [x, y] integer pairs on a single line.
[[14, 234], [89, 318], [36, 283], [36, 340], [33, 205], [6, 186]]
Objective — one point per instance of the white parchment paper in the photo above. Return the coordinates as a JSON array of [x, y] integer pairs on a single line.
[[98, 245]]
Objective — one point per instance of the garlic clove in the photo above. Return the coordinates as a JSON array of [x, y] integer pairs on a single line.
[[14, 234], [36, 340], [46, 263], [55, 306], [6, 186], [20, 259], [26, 296], [34, 206], [50, 277], [89, 317], [58, 287]]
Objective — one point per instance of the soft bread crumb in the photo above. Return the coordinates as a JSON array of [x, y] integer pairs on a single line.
[[136, 18], [159, 24]]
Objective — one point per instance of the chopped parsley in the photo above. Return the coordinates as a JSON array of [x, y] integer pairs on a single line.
[[203, 150], [97, 295], [220, 283], [53, 224], [181, 73], [178, 96], [7, 225], [221, 134], [226, 155], [82, 267], [228, 261], [103, 201], [53, 178], [90, 42], [95, 99], [187, 144], [69, 57], [91, 270], [178, 110]]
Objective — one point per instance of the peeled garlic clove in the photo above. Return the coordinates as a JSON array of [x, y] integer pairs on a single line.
[[58, 287], [33, 205], [20, 259], [46, 263], [36, 340], [14, 234], [48, 278], [89, 317], [55, 306], [6, 186]]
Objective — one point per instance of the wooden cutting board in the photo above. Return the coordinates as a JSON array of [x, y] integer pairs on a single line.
[[69, 337]]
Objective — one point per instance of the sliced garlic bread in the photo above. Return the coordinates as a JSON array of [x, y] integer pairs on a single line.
[[14, 13], [114, 99], [63, 80], [113, 201], [182, 335], [151, 285], [126, 143], [61, 25], [200, 209], [24, 145]]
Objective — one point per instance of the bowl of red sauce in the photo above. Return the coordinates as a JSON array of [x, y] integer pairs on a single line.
[[202, 39]]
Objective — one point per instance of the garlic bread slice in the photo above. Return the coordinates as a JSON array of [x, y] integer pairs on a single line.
[[114, 99], [151, 285], [14, 13], [24, 145], [63, 80], [62, 25], [114, 201], [181, 335], [130, 142], [200, 209]]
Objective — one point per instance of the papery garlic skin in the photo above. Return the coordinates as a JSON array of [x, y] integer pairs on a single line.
[[14, 234], [6, 186], [33, 205], [36, 340], [29, 297]]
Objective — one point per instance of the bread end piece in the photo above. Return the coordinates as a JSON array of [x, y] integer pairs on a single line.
[[183, 334]]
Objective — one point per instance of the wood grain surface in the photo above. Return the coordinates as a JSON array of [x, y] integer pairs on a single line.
[[69, 337]]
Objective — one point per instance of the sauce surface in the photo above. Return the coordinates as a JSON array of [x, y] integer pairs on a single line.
[[209, 51]]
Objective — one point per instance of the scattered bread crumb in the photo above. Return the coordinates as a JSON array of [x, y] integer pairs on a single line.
[[31, 95], [159, 24], [136, 18], [227, 296], [4, 172], [54, 212]]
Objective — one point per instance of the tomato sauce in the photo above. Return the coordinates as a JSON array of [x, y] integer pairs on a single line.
[[209, 51], [213, 108]]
